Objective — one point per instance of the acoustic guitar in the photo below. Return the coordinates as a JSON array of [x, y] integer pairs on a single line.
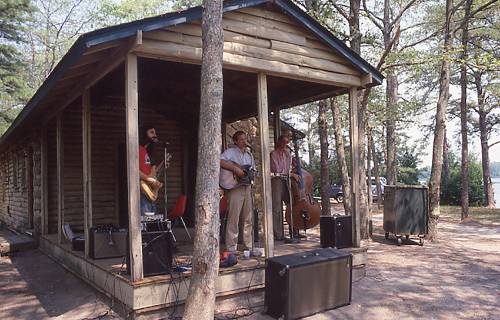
[[229, 180], [151, 192]]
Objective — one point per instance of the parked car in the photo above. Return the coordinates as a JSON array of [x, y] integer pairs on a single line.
[[383, 183], [337, 191]]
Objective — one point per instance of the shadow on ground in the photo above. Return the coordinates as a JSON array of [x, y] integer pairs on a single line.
[[457, 277], [32, 286]]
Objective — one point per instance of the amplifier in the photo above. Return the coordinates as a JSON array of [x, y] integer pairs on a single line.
[[305, 283], [107, 242], [157, 225], [78, 243], [157, 257], [336, 231]]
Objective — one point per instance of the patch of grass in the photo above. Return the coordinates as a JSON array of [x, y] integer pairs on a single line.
[[476, 213]]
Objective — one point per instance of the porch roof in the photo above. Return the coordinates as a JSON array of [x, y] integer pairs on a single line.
[[96, 50]]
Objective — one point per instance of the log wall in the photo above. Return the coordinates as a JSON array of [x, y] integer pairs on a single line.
[[108, 133], [20, 176]]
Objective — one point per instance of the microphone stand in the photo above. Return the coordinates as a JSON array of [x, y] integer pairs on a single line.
[[165, 180], [291, 238]]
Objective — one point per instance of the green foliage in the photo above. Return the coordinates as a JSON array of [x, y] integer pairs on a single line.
[[112, 12], [452, 189], [408, 176], [408, 161], [184, 4], [13, 17]]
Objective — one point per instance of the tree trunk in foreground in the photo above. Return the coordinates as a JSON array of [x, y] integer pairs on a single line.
[[200, 303], [437, 151], [339, 145], [355, 43], [325, 174], [463, 115], [364, 208]]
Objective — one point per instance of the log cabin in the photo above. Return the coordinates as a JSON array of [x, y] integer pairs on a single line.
[[70, 157]]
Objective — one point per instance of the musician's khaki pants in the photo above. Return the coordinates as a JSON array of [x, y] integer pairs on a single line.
[[240, 205], [279, 188]]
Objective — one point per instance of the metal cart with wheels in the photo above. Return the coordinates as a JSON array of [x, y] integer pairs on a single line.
[[406, 212]]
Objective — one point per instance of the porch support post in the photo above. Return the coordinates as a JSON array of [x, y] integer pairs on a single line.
[[43, 177], [266, 163], [224, 135], [60, 177], [277, 124], [354, 132], [87, 167], [132, 126]]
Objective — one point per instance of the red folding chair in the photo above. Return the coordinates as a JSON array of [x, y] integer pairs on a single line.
[[178, 211]]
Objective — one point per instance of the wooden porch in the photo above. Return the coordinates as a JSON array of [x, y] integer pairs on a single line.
[[90, 167], [152, 294]]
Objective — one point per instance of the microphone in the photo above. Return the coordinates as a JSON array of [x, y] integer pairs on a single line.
[[163, 143]]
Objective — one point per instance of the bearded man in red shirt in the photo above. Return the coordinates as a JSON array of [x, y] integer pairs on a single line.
[[146, 146]]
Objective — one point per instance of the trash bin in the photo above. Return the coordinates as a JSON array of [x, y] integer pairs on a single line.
[[406, 211]]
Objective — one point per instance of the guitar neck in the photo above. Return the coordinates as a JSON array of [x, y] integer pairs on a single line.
[[160, 167]]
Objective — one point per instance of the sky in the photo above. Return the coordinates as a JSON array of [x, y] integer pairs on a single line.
[[453, 132], [453, 128]]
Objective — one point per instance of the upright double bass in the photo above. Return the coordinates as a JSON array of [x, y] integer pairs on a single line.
[[305, 210]]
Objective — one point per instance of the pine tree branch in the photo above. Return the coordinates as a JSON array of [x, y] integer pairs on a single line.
[[342, 12], [417, 25], [420, 40], [389, 48], [473, 13], [370, 15], [494, 143], [396, 20], [402, 64]]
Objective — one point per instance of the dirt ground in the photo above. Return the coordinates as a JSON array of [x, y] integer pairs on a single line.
[[457, 277], [32, 286]]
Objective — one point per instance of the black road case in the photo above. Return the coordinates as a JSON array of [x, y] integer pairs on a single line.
[[406, 211], [304, 283], [335, 231]]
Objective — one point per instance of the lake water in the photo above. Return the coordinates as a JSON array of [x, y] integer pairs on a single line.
[[496, 190]]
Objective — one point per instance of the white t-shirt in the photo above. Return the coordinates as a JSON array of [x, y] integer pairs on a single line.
[[242, 158]]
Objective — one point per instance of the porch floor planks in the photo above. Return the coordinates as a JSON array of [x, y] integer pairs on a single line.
[[185, 249]]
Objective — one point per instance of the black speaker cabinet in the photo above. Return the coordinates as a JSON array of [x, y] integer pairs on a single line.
[[336, 231], [107, 244], [305, 283], [157, 248], [78, 243]]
